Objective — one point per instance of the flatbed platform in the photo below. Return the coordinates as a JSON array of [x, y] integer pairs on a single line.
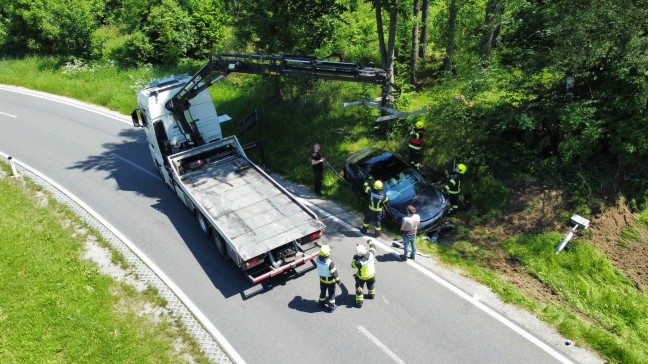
[[254, 214]]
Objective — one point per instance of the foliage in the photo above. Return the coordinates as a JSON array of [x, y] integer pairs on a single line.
[[49, 26], [287, 26]]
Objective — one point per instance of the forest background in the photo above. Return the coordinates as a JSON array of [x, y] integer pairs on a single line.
[[537, 98]]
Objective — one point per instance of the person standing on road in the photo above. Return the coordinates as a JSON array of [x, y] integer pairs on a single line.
[[328, 278], [408, 229], [364, 263], [318, 168], [415, 144], [377, 200]]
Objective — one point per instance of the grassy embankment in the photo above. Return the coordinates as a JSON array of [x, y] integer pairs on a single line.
[[603, 309], [56, 306]]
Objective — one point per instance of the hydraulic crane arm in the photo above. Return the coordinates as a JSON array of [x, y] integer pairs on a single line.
[[283, 65]]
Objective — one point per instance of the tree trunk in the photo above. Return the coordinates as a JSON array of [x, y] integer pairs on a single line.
[[492, 24], [424, 29], [450, 40], [391, 42], [381, 37], [415, 42]]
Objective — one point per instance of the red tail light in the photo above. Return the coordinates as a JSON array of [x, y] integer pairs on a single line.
[[316, 235], [254, 261]]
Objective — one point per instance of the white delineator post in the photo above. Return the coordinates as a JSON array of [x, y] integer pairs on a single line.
[[14, 172], [579, 222]]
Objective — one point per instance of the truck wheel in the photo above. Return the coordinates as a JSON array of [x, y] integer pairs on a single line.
[[204, 225], [219, 242]]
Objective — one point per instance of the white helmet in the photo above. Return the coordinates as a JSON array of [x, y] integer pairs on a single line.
[[361, 250]]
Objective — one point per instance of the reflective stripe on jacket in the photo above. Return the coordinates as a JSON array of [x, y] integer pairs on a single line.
[[326, 269], [376, 198], [366, 263], [416, 139], [454, 184]]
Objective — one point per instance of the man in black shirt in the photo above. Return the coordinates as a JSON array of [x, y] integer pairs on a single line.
[[318, 167]]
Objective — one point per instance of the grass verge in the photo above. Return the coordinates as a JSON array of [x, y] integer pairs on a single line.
[[57, 307]]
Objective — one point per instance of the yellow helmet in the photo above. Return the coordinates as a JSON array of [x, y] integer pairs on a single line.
[[420, 124], [461, 168], [378, 185], [325, 251]]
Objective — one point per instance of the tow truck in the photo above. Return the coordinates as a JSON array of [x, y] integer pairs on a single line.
[[250, 217]]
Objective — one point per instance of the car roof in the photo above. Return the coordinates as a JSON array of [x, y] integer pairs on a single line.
[[379, 163]]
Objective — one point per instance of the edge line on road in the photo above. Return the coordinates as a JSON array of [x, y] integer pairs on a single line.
[[379, 344], [496, 315]]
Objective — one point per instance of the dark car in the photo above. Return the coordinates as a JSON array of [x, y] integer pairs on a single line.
[[403, 184]]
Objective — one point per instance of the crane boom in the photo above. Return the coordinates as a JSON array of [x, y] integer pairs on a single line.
[[222, 64]]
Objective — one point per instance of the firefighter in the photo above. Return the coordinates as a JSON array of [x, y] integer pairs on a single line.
[[377, 200], [328, 278], [364, 262], [415, 144], [453, 187]]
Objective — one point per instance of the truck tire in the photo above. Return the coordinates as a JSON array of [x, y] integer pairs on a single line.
[[219, 242], [204, 225]]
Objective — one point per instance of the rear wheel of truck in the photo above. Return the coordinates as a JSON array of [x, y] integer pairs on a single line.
[[204, 225], [219, 242]]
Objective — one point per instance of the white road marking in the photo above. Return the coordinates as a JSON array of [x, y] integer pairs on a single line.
[[66, 101], [379, 344], [136, 166], [474, 300], [9, 115]]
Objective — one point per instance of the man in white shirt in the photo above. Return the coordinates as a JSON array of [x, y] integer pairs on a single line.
[[408, 229]]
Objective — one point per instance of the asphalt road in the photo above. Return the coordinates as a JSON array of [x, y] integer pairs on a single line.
[[105, 162]]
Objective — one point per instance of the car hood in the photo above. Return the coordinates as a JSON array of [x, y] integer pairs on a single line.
[[430, 204]]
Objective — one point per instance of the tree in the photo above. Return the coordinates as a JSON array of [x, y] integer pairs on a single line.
[[386, 51], [425, 19], [50, 27], [415, 41], [453, 9], [286, 26], [492, 25]]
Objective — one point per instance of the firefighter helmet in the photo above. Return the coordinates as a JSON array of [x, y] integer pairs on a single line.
[[378, 185], [461, 168], [361, 250], [325, 251], [420, 124]]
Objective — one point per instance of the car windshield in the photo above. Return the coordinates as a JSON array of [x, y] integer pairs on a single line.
[[400, 182]]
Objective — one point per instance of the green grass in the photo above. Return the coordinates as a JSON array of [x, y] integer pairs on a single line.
[[57, 307], [612, 313], [586, 279]]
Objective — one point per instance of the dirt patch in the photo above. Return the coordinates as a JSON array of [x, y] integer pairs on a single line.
[[536, 209], [533, 209], [624, 239]]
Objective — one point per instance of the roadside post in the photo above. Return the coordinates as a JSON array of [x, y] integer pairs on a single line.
[[14, 172], [579, 222]]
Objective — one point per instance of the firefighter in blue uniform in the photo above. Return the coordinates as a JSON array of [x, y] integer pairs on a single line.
[[364, 263], [377, 200], [328, 278]]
